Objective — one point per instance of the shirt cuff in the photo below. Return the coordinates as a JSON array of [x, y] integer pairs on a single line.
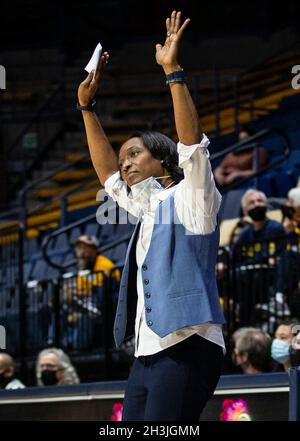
[[186, 151], [111, 185]]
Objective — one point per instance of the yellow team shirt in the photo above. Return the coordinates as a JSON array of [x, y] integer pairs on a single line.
[[86, 283]]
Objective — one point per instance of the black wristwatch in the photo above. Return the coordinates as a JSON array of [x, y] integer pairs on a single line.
[[89, 107]]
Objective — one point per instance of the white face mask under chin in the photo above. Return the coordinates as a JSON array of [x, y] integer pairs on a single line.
[[142, 191]]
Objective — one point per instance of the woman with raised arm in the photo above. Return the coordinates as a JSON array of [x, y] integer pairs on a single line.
[[168, 296]]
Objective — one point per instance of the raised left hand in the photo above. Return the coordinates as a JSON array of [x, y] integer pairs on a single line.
[[167, 55]]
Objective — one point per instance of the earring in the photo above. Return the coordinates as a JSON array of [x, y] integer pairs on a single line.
[[162, 161]]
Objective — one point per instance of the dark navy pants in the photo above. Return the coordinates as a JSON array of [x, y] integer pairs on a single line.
[[174, 384]]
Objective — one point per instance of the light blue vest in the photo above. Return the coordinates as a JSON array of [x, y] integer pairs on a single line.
[[178, 274]]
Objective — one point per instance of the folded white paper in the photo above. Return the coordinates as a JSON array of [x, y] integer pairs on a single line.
[[93, 63]]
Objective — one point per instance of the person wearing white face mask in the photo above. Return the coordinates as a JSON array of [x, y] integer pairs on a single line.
[[280, 349], [168, 295], [140, 194]]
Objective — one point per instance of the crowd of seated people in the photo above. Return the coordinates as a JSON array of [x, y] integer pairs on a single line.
[[264, 255], [74, 304], [254, 351], [53, 368], [257, 245]]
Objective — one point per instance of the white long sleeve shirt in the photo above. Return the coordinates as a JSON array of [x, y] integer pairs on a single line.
[[197, 202]]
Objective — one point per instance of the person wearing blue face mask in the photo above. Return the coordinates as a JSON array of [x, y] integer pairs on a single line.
[[280, 352], [168, 297], [281, 345]]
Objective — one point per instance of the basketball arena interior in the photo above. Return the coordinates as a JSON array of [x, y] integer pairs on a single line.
[[63, 240]]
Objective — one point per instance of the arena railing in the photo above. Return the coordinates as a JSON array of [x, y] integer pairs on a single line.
[[12, 294], [253, 284], [263, 282], [259, 287], [102, 211], [74, 312]]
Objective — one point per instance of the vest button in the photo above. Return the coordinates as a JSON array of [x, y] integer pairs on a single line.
[[149, 323], [144, 267], [146, 281], [148, 295], [148, 309]]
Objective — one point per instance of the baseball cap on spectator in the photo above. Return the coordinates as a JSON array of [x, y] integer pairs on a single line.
[[294, 196], [88, 240]]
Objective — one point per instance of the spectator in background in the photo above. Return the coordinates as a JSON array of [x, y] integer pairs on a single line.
[[225, 252], [84, 300], [255, 205], [237, 231], [241, 163], [7, 373], [53, 367], [288, 274], [252, 350], [88, 256], [90, 260], [292, 212], [280, 349], [257, 249]]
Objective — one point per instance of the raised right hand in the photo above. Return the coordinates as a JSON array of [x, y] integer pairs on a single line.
[[88, 88]]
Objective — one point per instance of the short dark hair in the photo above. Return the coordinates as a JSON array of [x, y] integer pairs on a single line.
[[257, 344], [161, 147]]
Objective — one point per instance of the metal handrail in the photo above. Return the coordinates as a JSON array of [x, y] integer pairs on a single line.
[[69, 227]]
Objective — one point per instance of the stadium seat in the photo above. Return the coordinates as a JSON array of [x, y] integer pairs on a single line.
[[31, 246], [91, 229], [40, 270], [282, 182], [61, 242], [75, 233]]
